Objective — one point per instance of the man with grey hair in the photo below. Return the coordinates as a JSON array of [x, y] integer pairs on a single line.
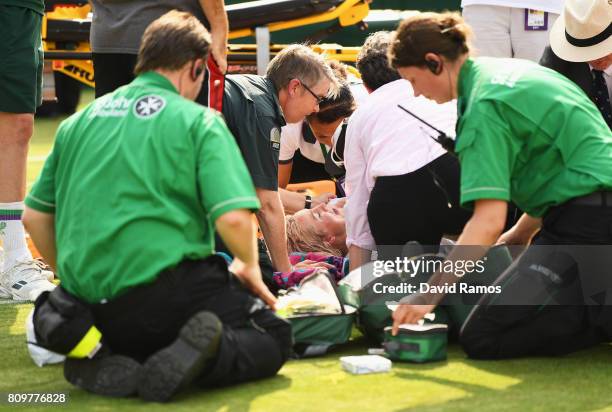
[[255, 108]]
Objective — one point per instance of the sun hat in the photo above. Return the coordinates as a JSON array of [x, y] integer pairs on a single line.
[[582, 31]]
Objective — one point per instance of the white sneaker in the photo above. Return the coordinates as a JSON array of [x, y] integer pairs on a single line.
[[26, 280]]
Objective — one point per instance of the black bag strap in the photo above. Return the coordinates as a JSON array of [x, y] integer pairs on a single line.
[[311, 350], [397, 346]]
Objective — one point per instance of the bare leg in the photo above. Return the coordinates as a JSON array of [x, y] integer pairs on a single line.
[[22, 278]]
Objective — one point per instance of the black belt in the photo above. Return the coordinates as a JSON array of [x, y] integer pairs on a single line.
[[593, 199]]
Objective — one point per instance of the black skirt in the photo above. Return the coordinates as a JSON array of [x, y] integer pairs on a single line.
[[418, 206]]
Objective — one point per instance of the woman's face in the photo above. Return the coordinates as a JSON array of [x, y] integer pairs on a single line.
[[323, 132], [327, 221], [425, 83]]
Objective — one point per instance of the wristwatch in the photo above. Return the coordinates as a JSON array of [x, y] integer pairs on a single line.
[[308, 202]]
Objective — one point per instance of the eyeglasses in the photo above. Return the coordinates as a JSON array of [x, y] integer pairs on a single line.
[[317, 98]]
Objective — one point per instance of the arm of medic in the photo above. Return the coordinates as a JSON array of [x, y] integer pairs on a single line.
[[271, 218], [238, 232], [41, 227], [293, 201], [483, 229], [214, 10]]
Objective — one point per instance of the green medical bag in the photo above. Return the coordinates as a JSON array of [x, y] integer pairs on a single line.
[[417, 343]]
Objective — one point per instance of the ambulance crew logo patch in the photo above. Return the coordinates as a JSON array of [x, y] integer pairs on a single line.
[[275, 136], [148, 106]]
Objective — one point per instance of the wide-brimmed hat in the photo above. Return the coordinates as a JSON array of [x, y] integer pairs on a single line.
[[583, 30]]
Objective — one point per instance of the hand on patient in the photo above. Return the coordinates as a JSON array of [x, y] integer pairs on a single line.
[[322, 199], [311, 264]]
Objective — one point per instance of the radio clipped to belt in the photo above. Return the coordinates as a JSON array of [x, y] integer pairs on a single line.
[[64, 324]]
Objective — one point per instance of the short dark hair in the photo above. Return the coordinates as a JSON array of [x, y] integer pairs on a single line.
[[444, 34], [343, 104], [373, 63], [171, 41]]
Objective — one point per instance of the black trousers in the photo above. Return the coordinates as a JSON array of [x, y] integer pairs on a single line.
[[518, 321], [255, 342], [419, 206], [113, 70]]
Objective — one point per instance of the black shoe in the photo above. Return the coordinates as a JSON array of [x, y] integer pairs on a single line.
[[171, 368], [112, 375]]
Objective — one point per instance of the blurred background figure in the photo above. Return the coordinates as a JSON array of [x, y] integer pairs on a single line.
[[117, 28], [510, 28], [581, 49]]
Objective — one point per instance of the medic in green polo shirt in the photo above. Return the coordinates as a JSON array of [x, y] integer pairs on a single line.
[[130, 198], [525, 134], [255, 108]]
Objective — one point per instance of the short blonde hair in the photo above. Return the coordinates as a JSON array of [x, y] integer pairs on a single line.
[[300, 62], [305, 239]]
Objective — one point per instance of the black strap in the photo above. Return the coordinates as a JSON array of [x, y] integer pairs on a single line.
[[397, 346], [308, 350], [591, 41]]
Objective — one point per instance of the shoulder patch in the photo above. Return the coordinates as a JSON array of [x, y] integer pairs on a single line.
[[149, 106], [275, 138]]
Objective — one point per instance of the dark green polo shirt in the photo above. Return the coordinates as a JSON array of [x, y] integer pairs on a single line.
[[526, 133], [136, 181], [254, 116], [37, 5]]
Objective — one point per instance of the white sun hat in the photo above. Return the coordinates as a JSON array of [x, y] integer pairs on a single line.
[[583, 30]]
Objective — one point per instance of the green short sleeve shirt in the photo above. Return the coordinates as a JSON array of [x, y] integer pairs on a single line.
[[254, 116], [527, 134], [37, 5], [136, 182]]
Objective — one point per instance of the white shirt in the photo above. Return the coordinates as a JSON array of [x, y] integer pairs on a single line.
[[291, 134], [551, 6], [292, 140], [383, 140]]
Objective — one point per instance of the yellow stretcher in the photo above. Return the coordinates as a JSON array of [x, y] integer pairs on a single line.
[[67, 23]]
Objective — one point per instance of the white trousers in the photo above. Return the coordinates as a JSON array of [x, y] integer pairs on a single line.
[[500, 32]]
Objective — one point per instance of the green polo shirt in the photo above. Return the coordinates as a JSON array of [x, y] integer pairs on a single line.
[[37, 5], [136, 181], [527, 134], [254, 116]]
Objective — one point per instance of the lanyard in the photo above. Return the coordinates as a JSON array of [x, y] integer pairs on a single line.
[[324, 150]]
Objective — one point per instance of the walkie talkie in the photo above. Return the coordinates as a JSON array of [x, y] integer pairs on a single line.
[[442, 139]]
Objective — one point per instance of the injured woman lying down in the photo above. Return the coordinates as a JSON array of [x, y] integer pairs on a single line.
[[320, 229], [316, 235]]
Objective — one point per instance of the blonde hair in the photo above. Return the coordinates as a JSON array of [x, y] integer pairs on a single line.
[[444, 34], [304, 239]]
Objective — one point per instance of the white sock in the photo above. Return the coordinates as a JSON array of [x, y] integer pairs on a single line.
[[12, 234]]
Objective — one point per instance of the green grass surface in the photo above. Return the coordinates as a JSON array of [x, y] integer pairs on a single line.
[[580, 382]]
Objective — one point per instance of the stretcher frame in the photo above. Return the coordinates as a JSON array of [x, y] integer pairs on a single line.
[[75, 60]]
